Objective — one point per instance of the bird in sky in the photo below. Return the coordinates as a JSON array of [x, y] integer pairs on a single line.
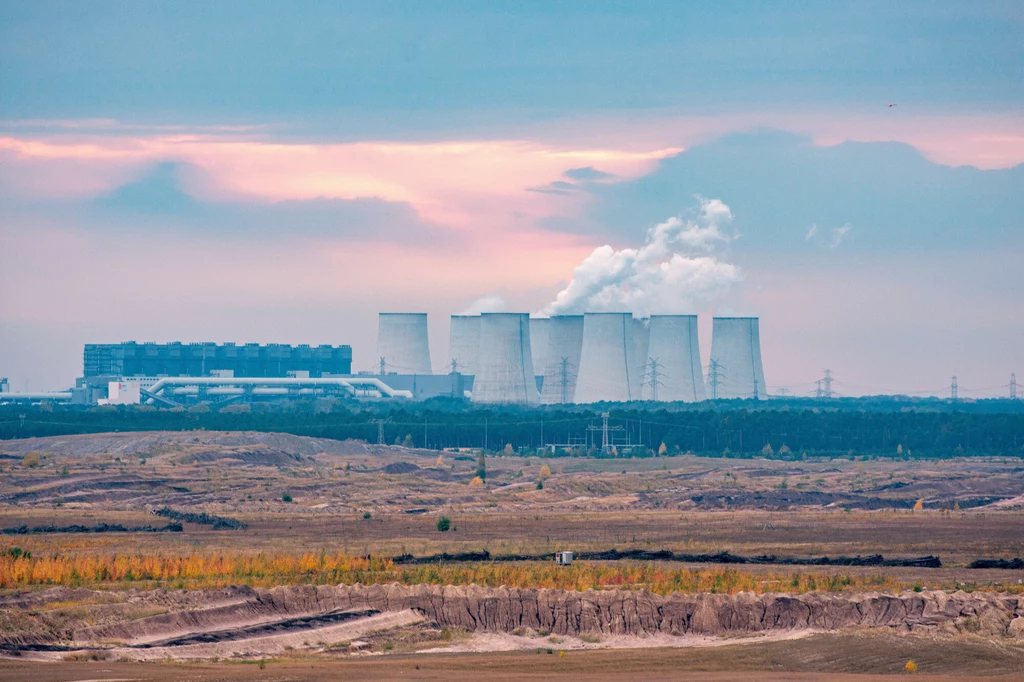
[[891, 106]]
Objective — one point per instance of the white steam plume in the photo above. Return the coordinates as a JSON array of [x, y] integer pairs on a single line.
[[677, 270], [492, 303]]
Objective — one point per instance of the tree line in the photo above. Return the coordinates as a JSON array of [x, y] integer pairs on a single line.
[[733, 429]]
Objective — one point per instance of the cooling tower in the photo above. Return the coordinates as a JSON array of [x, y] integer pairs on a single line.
[[565, 340], [674, 346], [464, 343], [736, 370], [608, 359], [539, 327], [641, 339], [402, 342], [504, 371]]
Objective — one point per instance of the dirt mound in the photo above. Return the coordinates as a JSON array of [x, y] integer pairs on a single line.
[[400, 468]]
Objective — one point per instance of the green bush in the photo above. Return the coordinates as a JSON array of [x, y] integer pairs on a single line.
[[287, 497], [444, 524]]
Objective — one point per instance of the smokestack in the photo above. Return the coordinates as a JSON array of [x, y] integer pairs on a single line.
[[539, 327], [402, 342], [565, 340], [608, 359], [505, 362], [464, 343], [641, 340], [674, 345], [736, 353]]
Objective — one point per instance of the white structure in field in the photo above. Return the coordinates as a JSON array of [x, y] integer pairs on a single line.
[[674, 346], [539, 330], [641, 340], [565, 343], [402, 342], [608, 359], [505, 363], [464, 343], [736, 370]]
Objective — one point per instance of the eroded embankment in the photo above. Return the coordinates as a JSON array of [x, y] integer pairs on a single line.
[[610, 612]]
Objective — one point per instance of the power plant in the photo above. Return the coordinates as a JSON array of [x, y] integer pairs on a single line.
[[565, 345], [641, 340], [539, 331], [463, 343], [608, 360], [505, 362], [735, 370], [674, 366], [507, 358], [402, 343]]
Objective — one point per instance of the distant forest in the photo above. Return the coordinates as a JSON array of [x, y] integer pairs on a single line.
[[781, 429]]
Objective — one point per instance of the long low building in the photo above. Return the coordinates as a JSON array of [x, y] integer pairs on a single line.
[[203, 359]]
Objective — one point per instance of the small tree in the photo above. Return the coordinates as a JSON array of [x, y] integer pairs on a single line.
[[287, 497], [444, 524], [767, 450], [662, 450], [481, 467], [910, 667], [508, 450], [545, 472], [30, 460], [440, 461], [476, 481], [408, 440]]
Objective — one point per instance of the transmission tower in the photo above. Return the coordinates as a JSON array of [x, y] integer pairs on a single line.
[[1013, 386], [652, 377], [756, 391], [380, 429], [954, 390], [715, 377], [383, 365], [825, 385], [454, 366], [606, 444]]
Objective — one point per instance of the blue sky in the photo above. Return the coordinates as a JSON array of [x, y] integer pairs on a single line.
[[265, 171]]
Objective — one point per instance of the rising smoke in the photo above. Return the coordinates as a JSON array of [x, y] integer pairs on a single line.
[[678, 269]]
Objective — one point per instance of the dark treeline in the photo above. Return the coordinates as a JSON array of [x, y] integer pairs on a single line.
[[785, 429]]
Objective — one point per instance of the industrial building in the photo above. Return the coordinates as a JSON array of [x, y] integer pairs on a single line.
[[505, 371], [561, 369], [736, 370], [641, 340], [200, 359], [539, 327], [608, 359], [402, 343], [674, 367], [463, 343]]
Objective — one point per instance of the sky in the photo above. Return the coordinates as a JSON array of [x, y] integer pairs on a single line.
[[281, 172]]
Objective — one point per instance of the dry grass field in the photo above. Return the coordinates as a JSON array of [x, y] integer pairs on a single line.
[[298, 499]]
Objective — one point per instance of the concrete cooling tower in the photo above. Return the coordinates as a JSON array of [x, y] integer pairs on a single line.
[[675, 347], [641, 339], [504, 371], [539, 327], [402, 342], [607, 359], [464, 343], [565, 340], [736, 370]]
